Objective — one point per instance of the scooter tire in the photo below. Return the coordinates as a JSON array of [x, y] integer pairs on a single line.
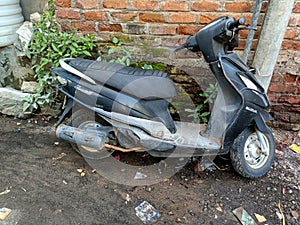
[[78, 118], [245, 149]]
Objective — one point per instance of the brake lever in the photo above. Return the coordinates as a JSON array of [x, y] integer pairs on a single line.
[[245, 28]]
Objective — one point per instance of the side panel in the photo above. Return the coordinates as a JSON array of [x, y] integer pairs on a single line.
[[114, 101], [227, 104]]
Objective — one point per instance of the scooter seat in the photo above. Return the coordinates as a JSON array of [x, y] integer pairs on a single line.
[[144, 84]]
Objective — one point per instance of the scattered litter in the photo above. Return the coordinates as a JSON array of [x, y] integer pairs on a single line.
[[282, 215], [218, 207], [60, 156], [4, 212], [127, 198], [65, 182], [178, 220], [279, 215], [295, 148], [206, 164], [146, 212], [18, 124], [24, 189], [139, 176], [294, 214], [81, 171], [5, 192], [243, 216], [260, 218], [18, 130], [58, 211], [278, 152], [283, 190], [94, 171], [56, 143], [117, 157]]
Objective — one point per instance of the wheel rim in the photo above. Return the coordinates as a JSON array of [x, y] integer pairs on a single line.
[[90, 126], [254, 155]]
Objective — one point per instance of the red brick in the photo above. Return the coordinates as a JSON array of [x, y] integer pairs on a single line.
[[206, 18], [152, 18], [110, 28], [295, 117], [280, 108], [244, 34], [163, 30], [84, 26], [95, 15], [290, 45], [297, 8], [289, 99], [290, 78], [272, 97], [87, 4], [188, 30], [291, 34], [282, 117], [238, 7], [133, 28], [124, 17], [205, 6], [63, 3], [144, 5], [174, 6], [115, 4], [278, 88], [67, 14], [182, 18], [65, 25]]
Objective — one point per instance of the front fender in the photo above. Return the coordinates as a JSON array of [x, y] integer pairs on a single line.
[[244, 120], [260, 121]]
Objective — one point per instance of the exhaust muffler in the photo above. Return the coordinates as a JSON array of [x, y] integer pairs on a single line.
[[93, 139]]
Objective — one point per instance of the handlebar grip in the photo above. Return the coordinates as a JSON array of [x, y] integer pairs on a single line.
[[236, 23]]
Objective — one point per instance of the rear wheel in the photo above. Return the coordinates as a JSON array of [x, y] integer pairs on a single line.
[[87, 120], [252, 153]]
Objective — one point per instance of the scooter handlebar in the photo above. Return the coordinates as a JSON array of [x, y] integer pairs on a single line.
[[236, 23]]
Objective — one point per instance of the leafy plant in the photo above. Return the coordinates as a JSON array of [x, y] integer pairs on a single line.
[[198, 114], [49, 44], [116, 52]]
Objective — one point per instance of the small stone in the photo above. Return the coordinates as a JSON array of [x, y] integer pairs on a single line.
[[178, 220], [149, 189], [11, 102], [35, 17], [29, 86]]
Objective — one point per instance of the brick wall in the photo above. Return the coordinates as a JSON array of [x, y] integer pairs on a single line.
[[284, 91], [151, 28]]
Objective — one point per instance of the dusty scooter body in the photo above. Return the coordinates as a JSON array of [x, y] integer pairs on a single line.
[[131, 107]]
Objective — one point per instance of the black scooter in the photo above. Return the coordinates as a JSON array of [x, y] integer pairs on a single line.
[[126, 109]]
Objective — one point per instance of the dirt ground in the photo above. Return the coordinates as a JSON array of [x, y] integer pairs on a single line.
[[45, 182]]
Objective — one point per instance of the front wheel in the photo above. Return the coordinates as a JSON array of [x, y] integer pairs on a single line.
[[252, 153]]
